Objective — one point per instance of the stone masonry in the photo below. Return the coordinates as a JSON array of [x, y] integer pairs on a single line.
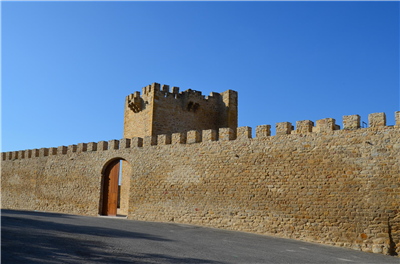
[[314, 183]]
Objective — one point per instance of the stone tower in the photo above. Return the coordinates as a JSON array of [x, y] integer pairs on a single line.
[[160, 111]]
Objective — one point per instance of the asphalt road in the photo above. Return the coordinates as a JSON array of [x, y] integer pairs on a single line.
[[38, 237]]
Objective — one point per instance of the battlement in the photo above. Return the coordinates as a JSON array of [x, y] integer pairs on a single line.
[[135, 99], [159, 109], [304, 127], [299, 183]]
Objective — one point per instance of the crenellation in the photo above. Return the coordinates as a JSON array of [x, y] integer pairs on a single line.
[[62, 150], [155, 87], [113, 144], [92, 146], [178, 138], [136, 142], [243, 132], [193, 136], [124, 143], [304, 126], [377, 119], [325, 125], [35, 153], [21, 154], [43, 152], [283, 128], [209, 135], [71, 149], [149, 141], [263, 131], [163, 139], [351, 122], [165, 88], [226, 134], [52, 151], [3, 155], [102, 145], [175, 90], [160, 112], [28, 154], [14, 155], [302, 186], [82, 147]]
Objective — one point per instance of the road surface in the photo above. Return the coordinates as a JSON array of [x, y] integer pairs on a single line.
[[39, 237]]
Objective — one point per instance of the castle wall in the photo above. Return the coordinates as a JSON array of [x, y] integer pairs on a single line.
[[338, 187]]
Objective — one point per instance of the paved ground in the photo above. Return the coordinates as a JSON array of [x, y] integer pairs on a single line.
[[37, 237]]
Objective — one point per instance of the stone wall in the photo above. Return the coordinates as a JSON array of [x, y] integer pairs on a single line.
[[322, 184]]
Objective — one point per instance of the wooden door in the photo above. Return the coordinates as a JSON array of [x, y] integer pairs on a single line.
[[110, 189]]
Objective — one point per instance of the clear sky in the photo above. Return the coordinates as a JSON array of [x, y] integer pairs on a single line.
[[67, 66]]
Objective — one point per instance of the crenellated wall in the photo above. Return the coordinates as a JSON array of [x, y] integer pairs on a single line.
[[312, 182], [160, 111]]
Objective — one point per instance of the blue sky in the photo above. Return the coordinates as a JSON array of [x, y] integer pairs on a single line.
[[67, 66]]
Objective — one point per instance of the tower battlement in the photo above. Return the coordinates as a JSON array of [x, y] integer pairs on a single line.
[[160, 109]]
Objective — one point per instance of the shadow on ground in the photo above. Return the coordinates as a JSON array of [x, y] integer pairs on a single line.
[[40, 240]]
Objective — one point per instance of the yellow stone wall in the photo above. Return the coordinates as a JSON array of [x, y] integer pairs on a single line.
[[332, 186]]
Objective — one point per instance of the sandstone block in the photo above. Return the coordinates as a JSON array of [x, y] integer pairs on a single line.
[[209, 135], [62, 150], [263, 131], [178, 138], [149, 141], [125, 143], [21, 154], [163, 139], [243, 132], [165, 88], [136, 142], [102, 145], [52, 151], [377, 119], [283, 128], [193, 136], [351, 121], [304, 126], [43, 152], [325, 125], [82, 147], [226, 134], [175, 90], [377, 248], [71, 149], [113, 144], [91, 146], [14, 155]]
